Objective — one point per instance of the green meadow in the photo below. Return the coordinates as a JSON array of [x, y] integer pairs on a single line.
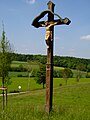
[[70, 102], [28, 84], [17, 63]]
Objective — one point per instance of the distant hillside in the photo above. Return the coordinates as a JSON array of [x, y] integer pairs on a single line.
[[60, 61]]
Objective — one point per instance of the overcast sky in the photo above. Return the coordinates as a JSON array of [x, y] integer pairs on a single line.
[[72, 40]]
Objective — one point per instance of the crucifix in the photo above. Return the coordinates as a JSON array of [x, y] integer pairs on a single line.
[[49, 38]]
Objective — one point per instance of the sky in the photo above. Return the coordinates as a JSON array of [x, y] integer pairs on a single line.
[[69, 40]]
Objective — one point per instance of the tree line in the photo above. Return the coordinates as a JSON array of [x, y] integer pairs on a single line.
[[60, 61]]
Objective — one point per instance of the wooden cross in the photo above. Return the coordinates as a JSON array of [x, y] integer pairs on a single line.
[[49, 38]]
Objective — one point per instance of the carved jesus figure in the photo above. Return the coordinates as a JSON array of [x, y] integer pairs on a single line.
[[48, 35], [49, 25]]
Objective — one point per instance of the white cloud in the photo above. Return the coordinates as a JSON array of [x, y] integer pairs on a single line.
[[87, 37], [30, 1]]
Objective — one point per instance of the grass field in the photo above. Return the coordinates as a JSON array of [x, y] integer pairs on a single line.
[[70, 102], [17, 63], [34, 65], [30, 84]]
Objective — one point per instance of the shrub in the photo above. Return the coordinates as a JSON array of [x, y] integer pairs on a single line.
[[19, 75], [88, 75]]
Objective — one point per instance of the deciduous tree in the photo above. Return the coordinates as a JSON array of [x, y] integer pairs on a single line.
[[41, 75], [5, 59], [67, 73]]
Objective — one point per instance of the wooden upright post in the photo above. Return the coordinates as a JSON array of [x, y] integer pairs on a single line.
[[49, 65], [49, 38], [4, 102]]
